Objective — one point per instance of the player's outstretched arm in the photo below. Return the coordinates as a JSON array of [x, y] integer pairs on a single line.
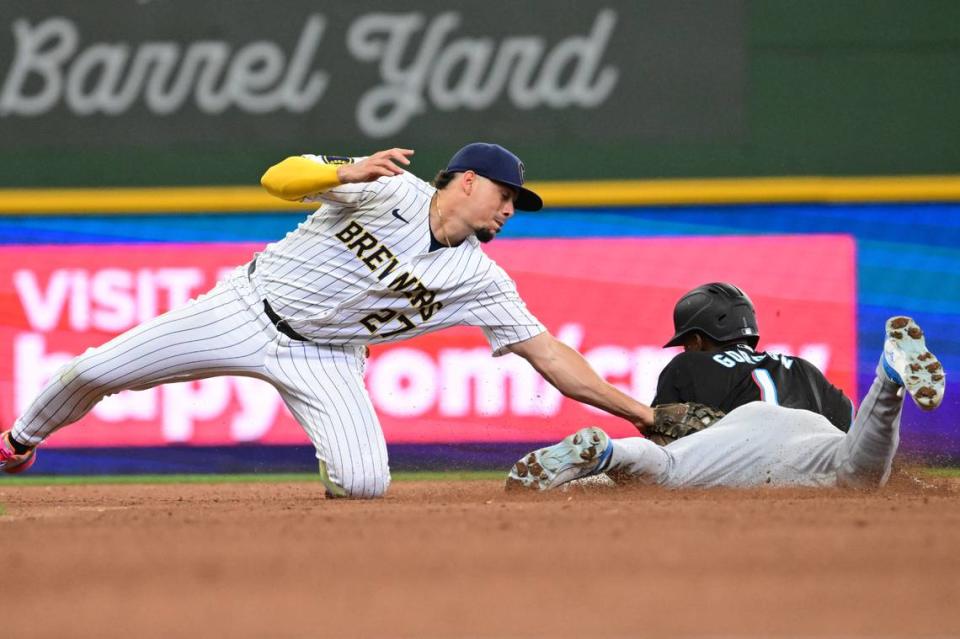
[[298, 177], [572, 375]]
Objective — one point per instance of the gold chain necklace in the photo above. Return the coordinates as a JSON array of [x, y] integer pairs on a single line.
[[446, 239]]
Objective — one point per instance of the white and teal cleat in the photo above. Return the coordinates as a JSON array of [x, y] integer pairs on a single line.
[[587, 452], [907, 362]]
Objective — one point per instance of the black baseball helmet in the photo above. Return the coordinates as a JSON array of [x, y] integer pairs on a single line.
[[720, 311]]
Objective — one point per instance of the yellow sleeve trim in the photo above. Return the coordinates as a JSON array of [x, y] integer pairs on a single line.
[[298, 177]]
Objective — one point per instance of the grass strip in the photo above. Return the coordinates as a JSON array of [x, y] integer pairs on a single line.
[[944, 471], [253, 478], [81, 480]]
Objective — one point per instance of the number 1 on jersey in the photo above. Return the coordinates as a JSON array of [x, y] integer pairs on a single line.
[[768, 390]]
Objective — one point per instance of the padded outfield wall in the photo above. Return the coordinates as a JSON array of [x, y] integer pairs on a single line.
[[824, 277], [690, 112]]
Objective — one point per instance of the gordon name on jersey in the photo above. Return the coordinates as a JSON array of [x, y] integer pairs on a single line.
[[739, 375]]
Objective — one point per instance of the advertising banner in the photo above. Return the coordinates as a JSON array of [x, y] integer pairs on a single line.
[[259, 73], [612, 299], [171, 92]]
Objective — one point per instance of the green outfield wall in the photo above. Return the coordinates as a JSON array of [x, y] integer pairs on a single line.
[[210, 92]]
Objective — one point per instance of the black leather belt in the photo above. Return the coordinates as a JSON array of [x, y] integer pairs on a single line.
[[280, 323]]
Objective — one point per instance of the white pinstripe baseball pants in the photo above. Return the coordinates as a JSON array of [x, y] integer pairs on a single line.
[[760, 444], [225, 332]]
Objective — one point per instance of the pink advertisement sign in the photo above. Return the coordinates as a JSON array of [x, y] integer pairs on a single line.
[[612, 299]]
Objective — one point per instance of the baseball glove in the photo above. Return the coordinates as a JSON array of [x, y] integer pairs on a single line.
[[673, 421]]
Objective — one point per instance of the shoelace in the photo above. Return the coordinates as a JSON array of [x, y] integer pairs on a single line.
[[9, 459], [5, 453]]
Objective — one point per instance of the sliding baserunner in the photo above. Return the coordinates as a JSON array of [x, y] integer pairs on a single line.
[[762, 444]]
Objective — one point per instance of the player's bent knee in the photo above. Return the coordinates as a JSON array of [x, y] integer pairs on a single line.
[[369, 486], [366, 490], [372, 491], [353, 485]]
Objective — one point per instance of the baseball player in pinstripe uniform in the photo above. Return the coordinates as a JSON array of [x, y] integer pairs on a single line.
[[386, 257]]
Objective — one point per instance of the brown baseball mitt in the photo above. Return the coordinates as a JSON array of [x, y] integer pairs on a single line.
[[673, 421]]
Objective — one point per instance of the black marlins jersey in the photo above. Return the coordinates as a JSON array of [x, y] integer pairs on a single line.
[[739, 375]]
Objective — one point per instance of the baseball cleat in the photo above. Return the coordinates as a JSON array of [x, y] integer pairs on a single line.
[[10, 461], [907, 362], [586, 452]]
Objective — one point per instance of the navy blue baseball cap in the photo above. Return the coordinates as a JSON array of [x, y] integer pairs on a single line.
[[494, 162]]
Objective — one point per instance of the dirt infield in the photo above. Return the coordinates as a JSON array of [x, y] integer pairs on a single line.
[[464, 559]]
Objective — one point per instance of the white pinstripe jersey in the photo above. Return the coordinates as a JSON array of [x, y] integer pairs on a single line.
[[359, 270]]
